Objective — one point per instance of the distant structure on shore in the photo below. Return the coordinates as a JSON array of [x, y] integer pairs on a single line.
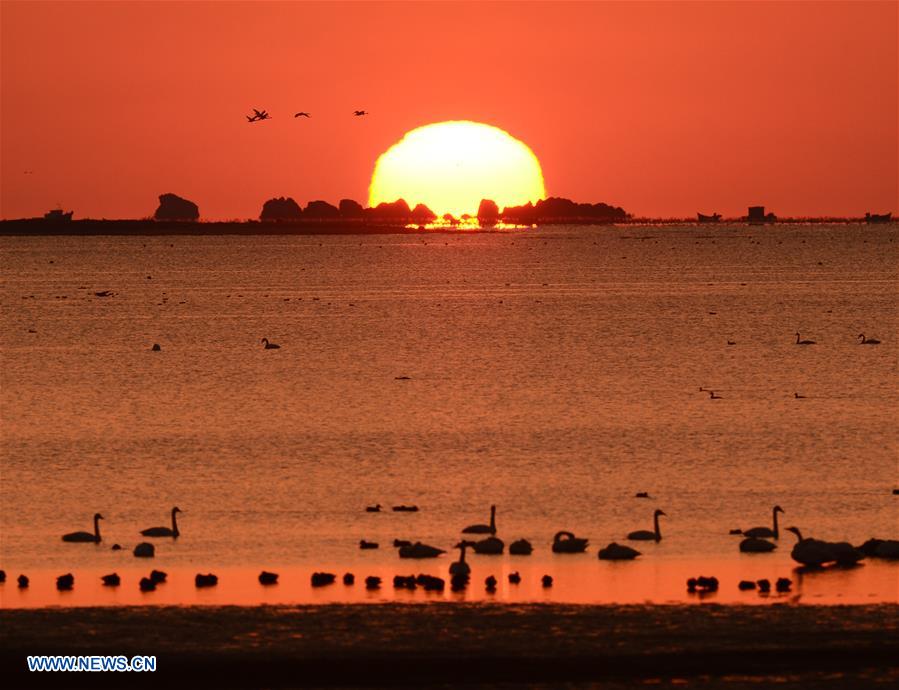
[[561, 210], [757, 216], [173, 207], [714, 218], [58, 215], [878, 217]]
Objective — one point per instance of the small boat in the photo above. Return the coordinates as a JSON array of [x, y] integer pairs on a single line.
[[878, 217], [714, 218]]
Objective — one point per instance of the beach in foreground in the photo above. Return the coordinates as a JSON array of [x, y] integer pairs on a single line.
[[476, 645]]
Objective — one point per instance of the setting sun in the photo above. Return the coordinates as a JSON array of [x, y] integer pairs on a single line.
[[451, 166]]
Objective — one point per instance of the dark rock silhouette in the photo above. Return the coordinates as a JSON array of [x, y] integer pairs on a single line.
[[281, 208], [422, 214], [450, 218], [561, 210], [320, 209], [350, 209], [396, 211], [173, 207], [488, 212]]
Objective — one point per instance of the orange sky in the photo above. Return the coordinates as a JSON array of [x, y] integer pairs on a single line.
[[663, 108]]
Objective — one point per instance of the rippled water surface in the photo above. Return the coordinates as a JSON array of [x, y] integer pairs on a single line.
[[553, 372]]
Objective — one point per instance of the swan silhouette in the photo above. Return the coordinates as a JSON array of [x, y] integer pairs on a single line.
[[268, 345], [164, 531], [491, 546], [756, 545], [815, 553], [419, 550], [804, 342], [868, 341], [714, 396], [646, 535], [766, 532], [86, 536], [520, 547], [483, 529], [566, 542], [618, 552], [798, 397], [460, 567]]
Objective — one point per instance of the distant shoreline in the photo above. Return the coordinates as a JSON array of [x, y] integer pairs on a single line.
[[149, 227]]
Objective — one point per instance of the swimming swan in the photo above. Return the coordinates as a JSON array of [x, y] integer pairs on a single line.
[[86, 536], [483, 529], [868, 341], [164, 531], [646, 535], [804, 342], [460, 567], [766, 532]]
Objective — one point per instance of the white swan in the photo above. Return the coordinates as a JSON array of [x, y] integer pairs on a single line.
[[646, 535], [460, 567], [766, 532], [483, 529], [164, 531], [86, 536]]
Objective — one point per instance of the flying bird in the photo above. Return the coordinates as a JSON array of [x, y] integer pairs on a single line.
[[359, 113], [302, 115], [258, 115]]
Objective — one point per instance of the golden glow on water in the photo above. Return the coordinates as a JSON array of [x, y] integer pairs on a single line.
[[451, 166]]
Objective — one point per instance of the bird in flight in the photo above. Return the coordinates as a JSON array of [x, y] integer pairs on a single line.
[[359, 113], [302, 115], [258, 115]]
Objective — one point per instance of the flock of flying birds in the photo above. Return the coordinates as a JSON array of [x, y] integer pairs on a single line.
[[263, 114]]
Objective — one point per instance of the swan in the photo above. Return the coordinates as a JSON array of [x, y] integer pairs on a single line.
[[490, 583], [515, 578], [483, 529], [756, 545], [766, 532], [798, 397], [267, 578], [373, 509], [618, 552], [566, 542], [814, 552], [22, 581], [147, 585], [66, 581], [111, 580], [86, 536], [491, 546], [868, 341], [368, 544], [547, 580], [646, 535], [460, 567], [520, 547], [714, 396], [208, 580], [804, 342], [419, 550], [144, 550], [349, 579], [268, 345], [164, 531]]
